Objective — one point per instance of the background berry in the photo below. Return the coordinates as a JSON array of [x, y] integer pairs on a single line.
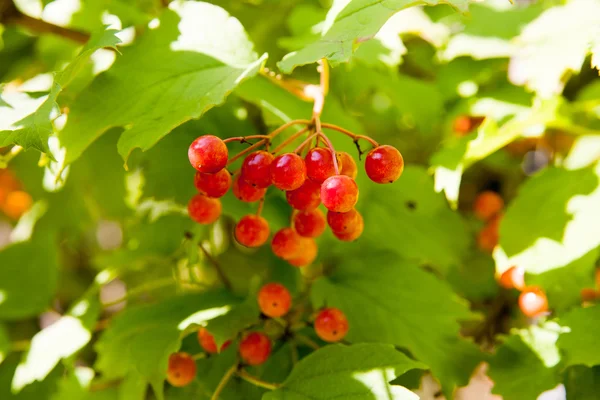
[[513, 278], [487, 205], [533, 302], [307, 254], [246, 192], [343, 222], [286, 243], [353, 232], [204, 210], [348, 165], [208, 343], [213, 185], [310, 223], [252, 231], [255, 348]]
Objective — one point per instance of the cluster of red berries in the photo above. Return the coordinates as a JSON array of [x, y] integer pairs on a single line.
[[488, 207], [532, 300], [274, 301], [321, 176]]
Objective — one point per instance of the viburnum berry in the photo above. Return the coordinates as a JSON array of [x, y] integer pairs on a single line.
[[348, 165], [181, 370], [353, 232], [288, 171], [384, 164], [204, 210], [589, 294], [208, 154], [252, 231], [533, 302], [487, 205], [256, 169], [319, 164], [307, 254], [513, 278], [286, 243], [213, 185], [274, 300], [208, 343], [310, 223], [488, 237], [462, 124], [343, 222], [306, 197], [339, 193], [16, 203], [245, 191], [255, 348], [331, 324]]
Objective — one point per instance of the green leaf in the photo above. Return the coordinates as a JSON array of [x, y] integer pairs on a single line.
[[360, 372], [226, 327], [140, 340], [349, 22], [582, 383], [580, 343], [4, 343], [527, 363], [410, 308], [28, 277], [36, 391], [204, 53], [60, 340], [426, 221]]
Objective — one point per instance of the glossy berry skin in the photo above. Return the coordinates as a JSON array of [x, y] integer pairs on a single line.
[[348, 165], [306, 197], [245, 191], [204, 210], [207, 342], [256, 169], [533, 302], [310, 223], [288, 171], [339, 193], [307, 255], [208, 154], [331, 325], [513, 278], [274, 300], [252, 231], [487, 205], [213, 185], [343, 222], [181, 370], [286, 243], [384, 164], [255, 348], [319, 164], [354, 232]]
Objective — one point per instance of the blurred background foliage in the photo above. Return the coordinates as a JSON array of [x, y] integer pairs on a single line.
[[100, 263]]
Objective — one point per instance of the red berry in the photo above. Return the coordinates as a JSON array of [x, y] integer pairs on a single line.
[[384, 164], [342, 222], [256, 169], [307, 254], [208, 154], [348, 165], [213, 185], [274, 300], [286, 243], [488, 237], [513, 278], [306, 197], [255, 348], [309, 223], [353, 232], [181, 370], [331, 324], [533, 302], [245, 191], [589, 294], [487, 204], [319, 164], [204, 210], [207, 341], [288, 171], [339, 193], [252, 231], [462, 124]]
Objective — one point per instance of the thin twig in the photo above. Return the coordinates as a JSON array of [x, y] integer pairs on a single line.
[[260, 206], [307, 341], [289, 140], [243, 139], [305, 143], [333, 153], [224, 382], [256, 381], [217, 266], [350, 134]]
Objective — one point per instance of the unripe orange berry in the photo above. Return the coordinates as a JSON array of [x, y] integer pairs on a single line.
[[274, 300], [181, 370], [331, 324], [487, 205], [16, 204]]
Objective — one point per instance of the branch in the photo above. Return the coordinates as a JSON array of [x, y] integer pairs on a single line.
[[10, 15], [217, 266]]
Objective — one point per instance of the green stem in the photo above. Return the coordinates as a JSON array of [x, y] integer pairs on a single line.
[[257, 382], [224, 382]]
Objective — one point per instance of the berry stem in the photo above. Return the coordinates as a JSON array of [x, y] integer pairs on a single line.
[[350, 134], [293, 86], [230, 372], [289, 140], [260, 206], [305, 143], [256, 381], [199, 356], [330, 146], [244, 138], [222, 277], [306, 341]]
